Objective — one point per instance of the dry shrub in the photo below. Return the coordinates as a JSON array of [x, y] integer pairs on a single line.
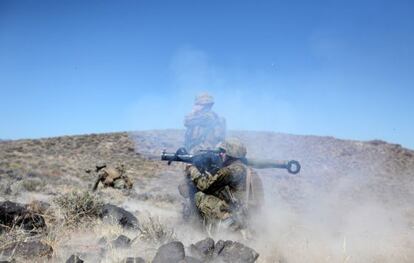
[[153, 231], [78, 207], [11, 236], [33, 184], [14, 237]]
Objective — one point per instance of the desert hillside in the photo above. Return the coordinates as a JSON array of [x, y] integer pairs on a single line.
[[351, 202]]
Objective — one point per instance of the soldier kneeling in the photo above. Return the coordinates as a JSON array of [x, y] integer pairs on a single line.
[[230, 196]]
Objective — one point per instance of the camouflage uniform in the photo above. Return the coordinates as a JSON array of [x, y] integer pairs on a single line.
[[232, 193], [113, 177], [205, 129]]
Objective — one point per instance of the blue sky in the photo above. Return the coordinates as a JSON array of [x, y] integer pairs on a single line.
[[337, 68]]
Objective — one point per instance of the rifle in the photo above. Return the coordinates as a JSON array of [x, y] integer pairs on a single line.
[[210, 161], [95, 186]]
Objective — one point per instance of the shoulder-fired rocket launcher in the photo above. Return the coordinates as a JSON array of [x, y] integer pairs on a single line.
[[210, 161]]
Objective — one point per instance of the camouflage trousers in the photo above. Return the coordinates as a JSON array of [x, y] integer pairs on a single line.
[[218, 215], [211, 207]]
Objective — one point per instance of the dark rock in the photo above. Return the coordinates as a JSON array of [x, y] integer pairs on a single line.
[[74, 259], [114, 214], [191, 260], [28, 249], [237, 252], [133, 260], [15, 214], [218, 248], [172, 252], [121, 242], [203, 249]]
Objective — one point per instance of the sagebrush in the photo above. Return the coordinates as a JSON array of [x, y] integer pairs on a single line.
[[79, 207], [153, 231]]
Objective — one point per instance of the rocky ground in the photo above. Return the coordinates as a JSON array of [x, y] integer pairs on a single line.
[[351, 202]]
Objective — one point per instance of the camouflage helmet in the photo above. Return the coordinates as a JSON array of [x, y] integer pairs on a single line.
[[234, 148], [204, 99]]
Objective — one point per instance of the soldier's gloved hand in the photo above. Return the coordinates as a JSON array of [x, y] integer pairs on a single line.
[[207, 174]]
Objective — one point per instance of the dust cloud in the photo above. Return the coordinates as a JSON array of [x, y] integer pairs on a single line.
[[331, 225], [352, 202]]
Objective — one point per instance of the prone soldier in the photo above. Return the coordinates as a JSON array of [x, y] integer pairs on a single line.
[[112, 177]]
